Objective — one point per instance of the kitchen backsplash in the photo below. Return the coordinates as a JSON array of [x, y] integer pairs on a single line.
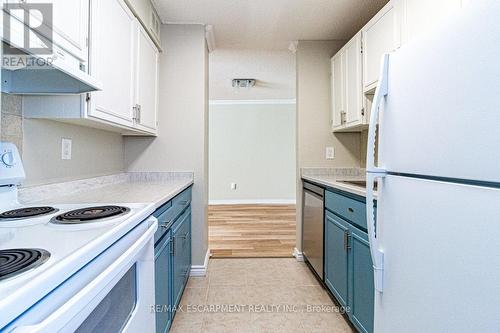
[[12, 120], [94, 152]]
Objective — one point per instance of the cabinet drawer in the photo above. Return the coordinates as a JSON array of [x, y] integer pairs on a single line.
[[162, 215], [184, 198], [350, 209]]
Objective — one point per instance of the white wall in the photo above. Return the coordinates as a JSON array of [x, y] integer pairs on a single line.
[[274, 71], [252, 145], [182, 143], [313, 117]]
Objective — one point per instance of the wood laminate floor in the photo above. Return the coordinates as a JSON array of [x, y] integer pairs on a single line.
[[242, 231]]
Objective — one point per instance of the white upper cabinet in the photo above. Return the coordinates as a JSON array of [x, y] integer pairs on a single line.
[[148, 17], [146, 82], [71, 22], [422, 16], [353, 82], [347, 90], [113, 61], [125, 60], [70, 25], [382, 34], [337, 91]]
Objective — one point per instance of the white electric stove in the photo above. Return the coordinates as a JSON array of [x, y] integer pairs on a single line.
[[59, 263]]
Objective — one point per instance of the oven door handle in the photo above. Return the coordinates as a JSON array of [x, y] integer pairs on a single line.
[[63, 315]]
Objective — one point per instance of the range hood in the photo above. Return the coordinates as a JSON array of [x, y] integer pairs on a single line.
[[56, 78], [49, 73]]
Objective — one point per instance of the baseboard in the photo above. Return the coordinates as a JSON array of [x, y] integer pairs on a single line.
[[253, 202], [200, 270], [298, 255]]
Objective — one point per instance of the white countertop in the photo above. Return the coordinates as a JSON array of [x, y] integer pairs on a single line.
[[125, 189], [143, 193], [337, 182]]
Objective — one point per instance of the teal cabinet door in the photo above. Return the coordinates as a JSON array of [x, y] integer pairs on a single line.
[[180, 252], [336, 259], [163, 290], [361, 288]]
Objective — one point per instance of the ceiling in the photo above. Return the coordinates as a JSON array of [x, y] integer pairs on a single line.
[[271, 24]]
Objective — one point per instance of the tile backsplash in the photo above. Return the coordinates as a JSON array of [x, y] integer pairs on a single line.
[[12, 120]]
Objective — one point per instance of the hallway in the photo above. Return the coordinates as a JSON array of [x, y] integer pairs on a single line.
[[242, 231]]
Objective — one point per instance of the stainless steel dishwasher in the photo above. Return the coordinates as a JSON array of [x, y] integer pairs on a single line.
[[313, 226]]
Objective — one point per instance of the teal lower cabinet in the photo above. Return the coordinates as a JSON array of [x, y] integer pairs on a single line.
[[348, 263], [362, 291], [172, 257], [181, 253], [163, 294], [336, 260]]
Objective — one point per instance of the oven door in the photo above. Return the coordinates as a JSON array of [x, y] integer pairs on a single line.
[[113, 293]]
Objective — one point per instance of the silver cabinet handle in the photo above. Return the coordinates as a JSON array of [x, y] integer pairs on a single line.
[[347, 247], [137, 113]]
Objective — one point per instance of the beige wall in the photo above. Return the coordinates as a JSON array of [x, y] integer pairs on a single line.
[[181, 144], [94, 152], [313, 117], [274, 71], [252, 145]]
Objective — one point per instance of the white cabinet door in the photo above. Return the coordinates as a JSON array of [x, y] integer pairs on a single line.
[[146, 13], [147, 81], [70, 23], [337, 90], [114, 33], [382, 34], [353, 82], [422, 16]]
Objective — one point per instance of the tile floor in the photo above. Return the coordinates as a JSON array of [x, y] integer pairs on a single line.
[[253, 294]]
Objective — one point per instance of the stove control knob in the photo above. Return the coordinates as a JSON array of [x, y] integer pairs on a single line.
[[8, 159]]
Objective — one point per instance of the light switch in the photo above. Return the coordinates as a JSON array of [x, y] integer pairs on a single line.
[[66, 148], [330, 153], [233, 186]]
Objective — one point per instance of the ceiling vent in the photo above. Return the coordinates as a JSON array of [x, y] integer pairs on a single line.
[[243, 83]]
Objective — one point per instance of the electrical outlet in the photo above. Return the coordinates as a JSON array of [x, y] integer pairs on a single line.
[[233, 186], [66, 144], [330, 153]]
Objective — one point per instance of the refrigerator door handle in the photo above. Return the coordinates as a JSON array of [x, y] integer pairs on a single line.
[[375, 251], [373, 172], [380, 93]]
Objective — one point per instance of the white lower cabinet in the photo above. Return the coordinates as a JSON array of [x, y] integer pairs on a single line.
[[126, 61]]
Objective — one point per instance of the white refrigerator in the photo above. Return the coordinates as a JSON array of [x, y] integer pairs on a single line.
[[435, 239]]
